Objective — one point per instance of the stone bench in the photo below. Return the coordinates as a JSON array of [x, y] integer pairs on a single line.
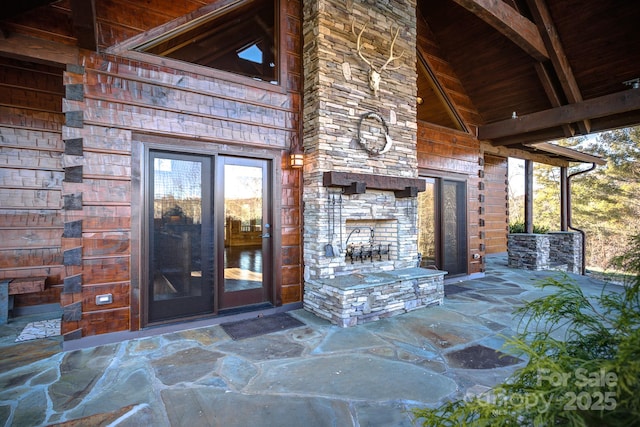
[[11, 287], [359, 298]]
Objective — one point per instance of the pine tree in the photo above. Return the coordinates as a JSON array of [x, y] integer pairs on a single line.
[[604, 201]]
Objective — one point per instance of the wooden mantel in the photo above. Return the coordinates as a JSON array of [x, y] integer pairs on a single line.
[[358, 183]]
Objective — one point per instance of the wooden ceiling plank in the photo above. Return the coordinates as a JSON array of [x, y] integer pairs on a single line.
[[552, 94], [11, 9], [615, 103], [510, 23], [542, 17], [83, 14]]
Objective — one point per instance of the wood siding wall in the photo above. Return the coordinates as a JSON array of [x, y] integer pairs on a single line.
[[31, 176], [445, 153], [451, 153], [446, 77], [108, 101], [496, 177]]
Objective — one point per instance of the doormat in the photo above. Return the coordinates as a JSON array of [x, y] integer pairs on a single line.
[[40, 329], [260, 325]]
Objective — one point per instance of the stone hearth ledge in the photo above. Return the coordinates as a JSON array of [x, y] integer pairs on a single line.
[[357, 298]]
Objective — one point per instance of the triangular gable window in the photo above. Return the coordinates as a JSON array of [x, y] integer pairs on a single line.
[[239, 39], [433, 105]]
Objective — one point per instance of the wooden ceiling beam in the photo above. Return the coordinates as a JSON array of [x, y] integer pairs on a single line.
[[542, 18], [552, 94], [83, 15], [615, 103], [519, 153], [38, 50], [567, 153], [510, 23]]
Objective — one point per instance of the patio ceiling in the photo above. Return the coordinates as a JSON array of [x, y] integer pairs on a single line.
[[541, 70]]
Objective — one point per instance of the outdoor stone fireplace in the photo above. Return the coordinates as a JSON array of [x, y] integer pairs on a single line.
[[360, 174]]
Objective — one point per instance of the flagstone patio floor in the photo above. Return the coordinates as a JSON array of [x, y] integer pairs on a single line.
[[313, 375]]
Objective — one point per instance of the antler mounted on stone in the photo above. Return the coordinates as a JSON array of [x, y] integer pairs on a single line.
[[375, 74]]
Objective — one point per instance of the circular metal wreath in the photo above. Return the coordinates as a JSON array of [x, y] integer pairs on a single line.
[[385, 128]]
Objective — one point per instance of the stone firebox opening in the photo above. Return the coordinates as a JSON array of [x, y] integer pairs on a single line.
[[370, 241]]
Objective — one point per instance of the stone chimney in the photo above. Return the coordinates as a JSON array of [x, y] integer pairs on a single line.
[[360, 173]]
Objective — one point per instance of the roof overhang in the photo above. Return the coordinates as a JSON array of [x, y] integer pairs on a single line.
[[566, 154]]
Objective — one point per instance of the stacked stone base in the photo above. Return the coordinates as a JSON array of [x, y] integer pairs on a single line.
[[552, 251], [360, 298]]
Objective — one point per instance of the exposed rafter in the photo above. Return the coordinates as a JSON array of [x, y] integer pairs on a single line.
[[510, 23], [10, 9], [542, 17], [83, 14], [565, 152], [552, 94], [616, 103]]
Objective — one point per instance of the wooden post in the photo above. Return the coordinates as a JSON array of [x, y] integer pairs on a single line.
[[564, 204], [528, 196]]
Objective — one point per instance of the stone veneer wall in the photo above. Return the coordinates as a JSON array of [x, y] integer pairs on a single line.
[[565, 247], [355, 299], [546, 251], [336, 95]]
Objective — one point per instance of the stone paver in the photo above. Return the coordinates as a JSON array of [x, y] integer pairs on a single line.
[[314, 375]]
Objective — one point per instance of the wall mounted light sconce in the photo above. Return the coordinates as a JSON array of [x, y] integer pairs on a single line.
[[296, 157]]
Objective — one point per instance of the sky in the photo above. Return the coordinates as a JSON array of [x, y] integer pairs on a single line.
[[516, 171]]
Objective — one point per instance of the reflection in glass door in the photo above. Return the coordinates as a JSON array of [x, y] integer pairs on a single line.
[[247, 232], [442, 232], [209, 234], [454, 225], [427, 225], [180, 261]]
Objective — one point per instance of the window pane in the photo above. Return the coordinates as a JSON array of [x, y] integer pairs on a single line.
[[241, 40], [243, 207], [177, 222]]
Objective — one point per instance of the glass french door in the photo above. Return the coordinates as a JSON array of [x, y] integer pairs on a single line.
[[442, 226], [209, 234], [246, 240], [180, 245]]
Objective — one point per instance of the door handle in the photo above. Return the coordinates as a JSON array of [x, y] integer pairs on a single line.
[[267, 234]]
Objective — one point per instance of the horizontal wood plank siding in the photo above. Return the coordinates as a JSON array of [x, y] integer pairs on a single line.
[[445, 76], [31, 175], [457, 155], [124, 96], [496, 203]]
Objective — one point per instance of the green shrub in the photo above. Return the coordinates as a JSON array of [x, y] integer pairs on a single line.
[[518, 227], [583, 361]]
